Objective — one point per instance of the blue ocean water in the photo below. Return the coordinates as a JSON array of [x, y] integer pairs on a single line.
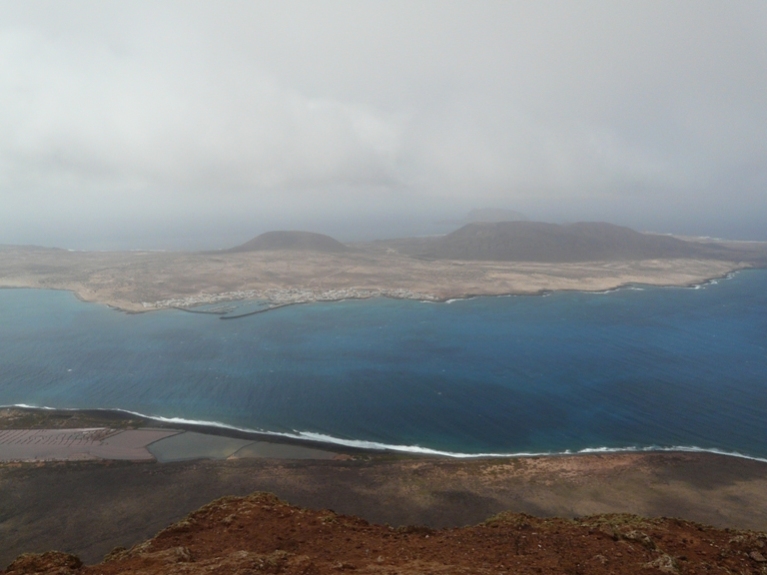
[[632, 368]]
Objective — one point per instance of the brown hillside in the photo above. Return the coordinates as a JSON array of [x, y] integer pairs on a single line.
[[543, 242], [291, 240], [262, 534]]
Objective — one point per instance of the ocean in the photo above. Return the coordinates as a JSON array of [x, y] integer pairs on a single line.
[[631, 369]]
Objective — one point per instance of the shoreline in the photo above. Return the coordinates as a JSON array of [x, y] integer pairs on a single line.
[[340, 446], [368, 294], [111, 496], [249, 429], [437, 299]]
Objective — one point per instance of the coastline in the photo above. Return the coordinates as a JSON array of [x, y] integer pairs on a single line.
[[276, 301], [279, 298], [355, 439], [352, 448], [431, 298], [163, 280]]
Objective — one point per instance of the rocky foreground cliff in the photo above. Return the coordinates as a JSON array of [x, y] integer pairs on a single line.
[[262, 534]]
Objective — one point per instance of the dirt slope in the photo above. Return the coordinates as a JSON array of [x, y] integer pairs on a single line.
[[262, 534], [88, 508]]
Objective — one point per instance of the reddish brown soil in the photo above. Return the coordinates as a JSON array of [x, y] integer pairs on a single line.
[[262, 534]]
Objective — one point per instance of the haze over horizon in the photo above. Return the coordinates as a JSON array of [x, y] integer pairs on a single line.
[[187, 124]]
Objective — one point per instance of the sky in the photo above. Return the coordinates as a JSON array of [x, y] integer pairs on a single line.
[[191, 125]]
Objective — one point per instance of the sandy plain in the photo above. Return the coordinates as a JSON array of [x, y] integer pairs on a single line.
[[146, 281]]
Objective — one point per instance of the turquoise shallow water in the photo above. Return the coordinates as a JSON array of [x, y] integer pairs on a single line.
[[654, 367]]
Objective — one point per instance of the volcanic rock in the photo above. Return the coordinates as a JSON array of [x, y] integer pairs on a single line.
[[291, 240], [262, 534], [544, 242]]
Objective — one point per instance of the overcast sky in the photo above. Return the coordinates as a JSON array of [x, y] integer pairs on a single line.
[[199, 124]]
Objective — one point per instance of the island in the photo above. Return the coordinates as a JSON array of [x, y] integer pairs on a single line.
[[479, 259]]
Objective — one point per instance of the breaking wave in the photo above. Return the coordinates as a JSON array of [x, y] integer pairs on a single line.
[[365, 445]]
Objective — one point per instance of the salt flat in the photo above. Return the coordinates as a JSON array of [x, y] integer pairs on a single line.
[[78, 444], [163, 445]]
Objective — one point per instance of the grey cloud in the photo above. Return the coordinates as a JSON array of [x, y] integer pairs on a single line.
[[97, 117], [306, 111]]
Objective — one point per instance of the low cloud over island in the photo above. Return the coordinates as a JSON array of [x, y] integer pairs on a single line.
[[193, 125]]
